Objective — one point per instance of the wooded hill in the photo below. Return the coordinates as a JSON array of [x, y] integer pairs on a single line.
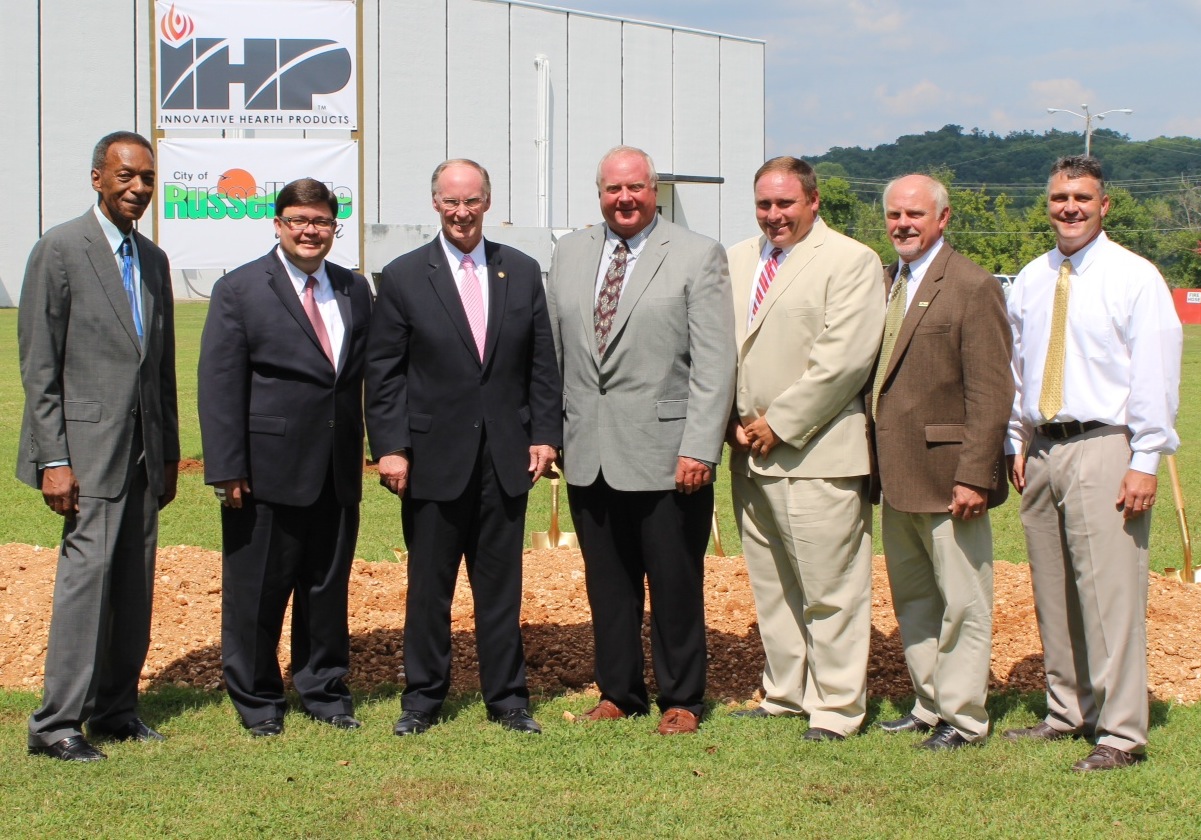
[[998, 185]]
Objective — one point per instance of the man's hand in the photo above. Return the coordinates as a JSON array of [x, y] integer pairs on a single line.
[[394, 472], [542, 458], [1015, 465], [1137, 494], [60, 490], [968, 502], [170, 483], [232, 493], [760, 436], [691, 475], [736, 436]]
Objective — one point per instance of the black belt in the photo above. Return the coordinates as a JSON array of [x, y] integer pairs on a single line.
[[1070, 429]]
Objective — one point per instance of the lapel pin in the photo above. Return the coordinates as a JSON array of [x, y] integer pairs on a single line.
[[922, 303], [500, 275]]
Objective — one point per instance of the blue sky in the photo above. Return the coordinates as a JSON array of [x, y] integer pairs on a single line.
[[863, 72]]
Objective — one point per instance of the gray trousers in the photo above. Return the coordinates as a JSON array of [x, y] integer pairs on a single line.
[[100, 624]]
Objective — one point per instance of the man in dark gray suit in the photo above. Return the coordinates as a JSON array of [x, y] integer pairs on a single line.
[[100, 439]]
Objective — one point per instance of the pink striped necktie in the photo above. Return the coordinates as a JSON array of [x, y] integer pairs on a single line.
[[310, 308], [765, 277], [473, 303]]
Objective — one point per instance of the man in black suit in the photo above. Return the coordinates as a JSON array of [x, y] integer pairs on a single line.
[[100, 439], [281, 418], [464, 411]]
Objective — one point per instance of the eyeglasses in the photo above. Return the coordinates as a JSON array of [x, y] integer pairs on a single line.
[[299, 223], [452, 204]]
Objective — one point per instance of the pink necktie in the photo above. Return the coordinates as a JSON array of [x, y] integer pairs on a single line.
[[765, 277], [310, 309], [473, 303]]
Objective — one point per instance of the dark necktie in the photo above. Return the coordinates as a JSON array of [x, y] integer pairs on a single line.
[[131, 290], [606, 301]]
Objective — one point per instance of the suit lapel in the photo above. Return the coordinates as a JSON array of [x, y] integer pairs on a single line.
[[340, 280], [441, 277], [654, 251], [281, 284], [104, 263], [498, 289], [742, 277], [788, 272], [592, 257], [928, 290], [152, 286]]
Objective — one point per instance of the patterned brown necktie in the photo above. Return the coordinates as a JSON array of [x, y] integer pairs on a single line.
[[606, 301], [892, 326], [1050, 399]]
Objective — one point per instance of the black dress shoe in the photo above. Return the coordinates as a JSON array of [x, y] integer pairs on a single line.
[[815, 733], [267, 728], [72, 748], [341, 721], [909, 723], [945, 737], [1107, 758], [757, 712], [516, 720], [413, 723], [134, 729], [1041, 731]]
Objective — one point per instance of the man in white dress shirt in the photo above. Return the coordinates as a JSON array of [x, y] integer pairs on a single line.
[[1096, 358]]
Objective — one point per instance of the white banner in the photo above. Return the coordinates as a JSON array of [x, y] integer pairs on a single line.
[[216, 198], [256, 64]]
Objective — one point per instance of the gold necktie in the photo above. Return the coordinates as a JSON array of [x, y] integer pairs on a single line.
[[1050, 400], [892, 326]]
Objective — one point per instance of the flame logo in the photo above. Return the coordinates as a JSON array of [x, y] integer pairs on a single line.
[[176, 26]]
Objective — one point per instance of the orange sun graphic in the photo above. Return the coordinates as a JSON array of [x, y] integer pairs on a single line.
[[236, 183]]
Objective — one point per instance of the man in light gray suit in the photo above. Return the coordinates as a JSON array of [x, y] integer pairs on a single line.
[[100, 439], [644, 331]]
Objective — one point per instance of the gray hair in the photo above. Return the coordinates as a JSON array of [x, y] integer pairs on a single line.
[[1078, 166], [938, 191], [628, 150]]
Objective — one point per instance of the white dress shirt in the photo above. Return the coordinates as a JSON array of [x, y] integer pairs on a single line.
[[1123, 347], [917, 272], [327, 305], [454, 258], [635, 243]]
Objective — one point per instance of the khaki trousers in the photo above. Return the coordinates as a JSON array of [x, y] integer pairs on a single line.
[[940, 574], [1088, 567], [807, 543]]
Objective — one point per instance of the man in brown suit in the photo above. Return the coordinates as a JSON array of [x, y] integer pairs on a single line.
[[940, 404]]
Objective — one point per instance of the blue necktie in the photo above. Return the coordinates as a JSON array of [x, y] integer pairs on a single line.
[[131, 291]]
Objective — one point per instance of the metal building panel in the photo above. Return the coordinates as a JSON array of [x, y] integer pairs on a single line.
[[411, 130], [646, 65], [697, 117], [594, 109], [477, 92], [534, 33], [22, 168], [742, 141]]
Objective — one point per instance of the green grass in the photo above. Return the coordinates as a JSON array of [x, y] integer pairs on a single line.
[[467, 778]]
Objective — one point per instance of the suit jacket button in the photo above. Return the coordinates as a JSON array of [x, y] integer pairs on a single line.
[[603, 391], [331, 424], [134, 412], [476, 424]]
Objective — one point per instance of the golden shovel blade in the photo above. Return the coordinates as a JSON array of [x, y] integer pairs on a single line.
[[554, 538]]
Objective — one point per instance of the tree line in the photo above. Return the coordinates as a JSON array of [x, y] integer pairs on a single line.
[[1001, 224]]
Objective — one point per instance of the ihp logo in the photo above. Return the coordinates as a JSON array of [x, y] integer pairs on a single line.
[[277, 74]]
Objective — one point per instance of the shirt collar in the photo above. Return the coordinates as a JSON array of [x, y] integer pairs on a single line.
[[917, 268], [635, 242], [1084, 257], [298, 277], [111, 232], [455, 256]]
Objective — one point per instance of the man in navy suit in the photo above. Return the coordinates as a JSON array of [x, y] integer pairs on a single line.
[[464, 411], [281, 418]]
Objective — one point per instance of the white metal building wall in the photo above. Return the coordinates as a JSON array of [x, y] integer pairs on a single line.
[[441, 78]]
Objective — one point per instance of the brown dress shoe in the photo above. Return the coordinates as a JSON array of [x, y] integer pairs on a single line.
[[1107, 758], [1041, 731], [677, 721], [604, 710]]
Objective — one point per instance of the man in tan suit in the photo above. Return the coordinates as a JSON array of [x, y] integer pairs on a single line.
[[940, 403], [808, 314]]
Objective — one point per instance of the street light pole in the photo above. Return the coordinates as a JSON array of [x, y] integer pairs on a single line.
[[1088, 121]]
